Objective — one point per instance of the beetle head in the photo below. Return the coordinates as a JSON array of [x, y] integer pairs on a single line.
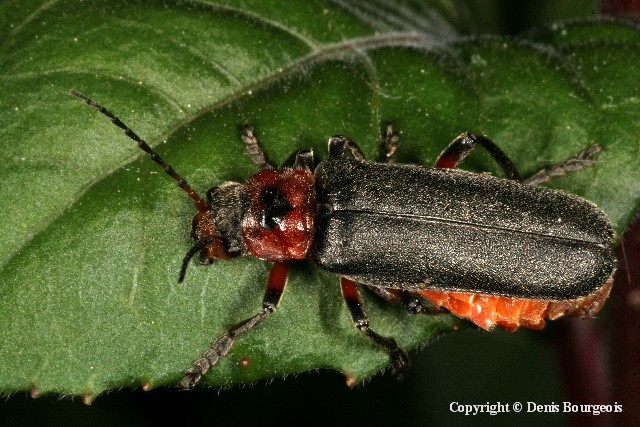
[[216, 228]]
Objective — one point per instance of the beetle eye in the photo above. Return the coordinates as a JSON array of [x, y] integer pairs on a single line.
[[275, 207]]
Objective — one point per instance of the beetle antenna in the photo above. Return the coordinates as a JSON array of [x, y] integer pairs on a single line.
[[197, 247], [182, 183]]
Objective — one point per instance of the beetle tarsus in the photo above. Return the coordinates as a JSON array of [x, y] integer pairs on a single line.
[[219, 349], [389, 144], [253, 147], [397, 356], [572, 164], [399, 363]]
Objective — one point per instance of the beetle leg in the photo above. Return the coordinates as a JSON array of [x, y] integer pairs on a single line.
[[583, 159], [462, 146], [222, 345], [353, 299], [389, 144], [252, 145], [301, 159], [338, 144], [386, 294], [411, 301]]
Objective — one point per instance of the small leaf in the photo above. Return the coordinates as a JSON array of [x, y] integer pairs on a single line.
[[94, 232]]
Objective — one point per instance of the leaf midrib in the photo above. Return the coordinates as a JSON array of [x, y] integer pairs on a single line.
[[354, 47]]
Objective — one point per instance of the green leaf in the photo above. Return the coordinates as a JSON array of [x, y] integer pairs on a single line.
[[93, 232]]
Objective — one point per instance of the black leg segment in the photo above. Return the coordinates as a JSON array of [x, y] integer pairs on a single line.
[[301, 159], [338, 145], [411, 301], [353, 299], [462, 146]]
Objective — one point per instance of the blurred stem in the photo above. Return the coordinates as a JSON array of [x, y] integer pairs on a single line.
[[626, 326], [620, 7]]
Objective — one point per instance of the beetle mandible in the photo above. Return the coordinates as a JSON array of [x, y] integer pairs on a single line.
[[499, 252]]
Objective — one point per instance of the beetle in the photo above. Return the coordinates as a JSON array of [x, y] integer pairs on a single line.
[[499, 252]]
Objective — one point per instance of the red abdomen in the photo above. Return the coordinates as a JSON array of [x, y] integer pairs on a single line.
[[488, 311]]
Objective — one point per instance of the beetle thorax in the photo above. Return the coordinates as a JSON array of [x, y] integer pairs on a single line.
[[278, 225]]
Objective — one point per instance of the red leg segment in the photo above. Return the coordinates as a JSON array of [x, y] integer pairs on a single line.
[[462, 146]]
